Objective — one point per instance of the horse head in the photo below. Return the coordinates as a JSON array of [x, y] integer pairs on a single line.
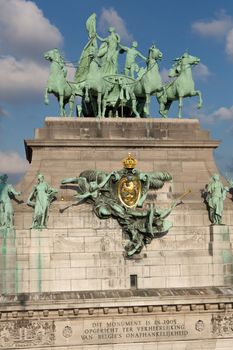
[[53, 55], [181, 63], [187, 59], [154, 53]]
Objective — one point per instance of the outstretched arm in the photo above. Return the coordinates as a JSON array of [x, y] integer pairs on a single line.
[[99, 37], [71, 180], [140, 55], [13, 191], [122, 47]]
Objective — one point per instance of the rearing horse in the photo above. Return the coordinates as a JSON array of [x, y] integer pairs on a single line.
[[182, 86], [150, 83], [57, 83]]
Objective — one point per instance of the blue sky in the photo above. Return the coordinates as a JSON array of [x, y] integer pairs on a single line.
[[29, 28]]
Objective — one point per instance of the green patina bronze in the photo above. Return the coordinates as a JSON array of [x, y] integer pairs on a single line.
[[108, 52], [57, 83], [120, 195], [7, 233], [182, 86], [7, 191], [130, 62], [215, 195], [150, 83], [106, 92], [40, 199]]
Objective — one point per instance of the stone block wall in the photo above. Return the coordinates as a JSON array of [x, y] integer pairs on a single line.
[[78, 251]]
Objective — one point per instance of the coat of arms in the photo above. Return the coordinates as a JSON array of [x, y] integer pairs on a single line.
[[129, 186], [121, 195]]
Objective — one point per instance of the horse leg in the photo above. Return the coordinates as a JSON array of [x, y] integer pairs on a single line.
[[61, 103], [180, 106], [166, 108], [163, 109], [134, 104], [99, 104], [195, 93], [163, 102], [71, 105], [64, 111], [64, 107], [147, 105], [105, 97], [104, 108], [86, 98]]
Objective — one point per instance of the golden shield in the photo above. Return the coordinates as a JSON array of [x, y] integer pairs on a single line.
[[129, 191]]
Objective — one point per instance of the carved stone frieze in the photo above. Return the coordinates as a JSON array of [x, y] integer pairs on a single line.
[[26, 333], [222, 324]]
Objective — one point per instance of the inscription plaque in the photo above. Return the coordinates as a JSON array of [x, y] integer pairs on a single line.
[[132, 330], [105, 329]]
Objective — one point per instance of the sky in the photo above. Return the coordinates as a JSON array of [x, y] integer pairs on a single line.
[[29, 28]]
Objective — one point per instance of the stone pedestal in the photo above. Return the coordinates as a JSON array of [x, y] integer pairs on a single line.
[[67, 146], [78, 290]]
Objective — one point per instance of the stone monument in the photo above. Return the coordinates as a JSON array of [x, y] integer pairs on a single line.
[[118, 256]]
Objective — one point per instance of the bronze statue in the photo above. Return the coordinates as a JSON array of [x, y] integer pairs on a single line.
[[40, 199], [105, 92], [6, 209], [215, 196]]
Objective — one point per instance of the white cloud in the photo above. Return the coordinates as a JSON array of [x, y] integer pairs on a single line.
[[22, 79], [24, 31], [220, 114], [201, 72], [12, 163], [216, 28], [25, 34], [110, 18], [223, 113]]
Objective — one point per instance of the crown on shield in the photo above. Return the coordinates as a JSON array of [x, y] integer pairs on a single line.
[[129, 162]]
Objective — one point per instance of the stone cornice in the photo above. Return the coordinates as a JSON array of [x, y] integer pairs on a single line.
[[98, 143], [210, 299]]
